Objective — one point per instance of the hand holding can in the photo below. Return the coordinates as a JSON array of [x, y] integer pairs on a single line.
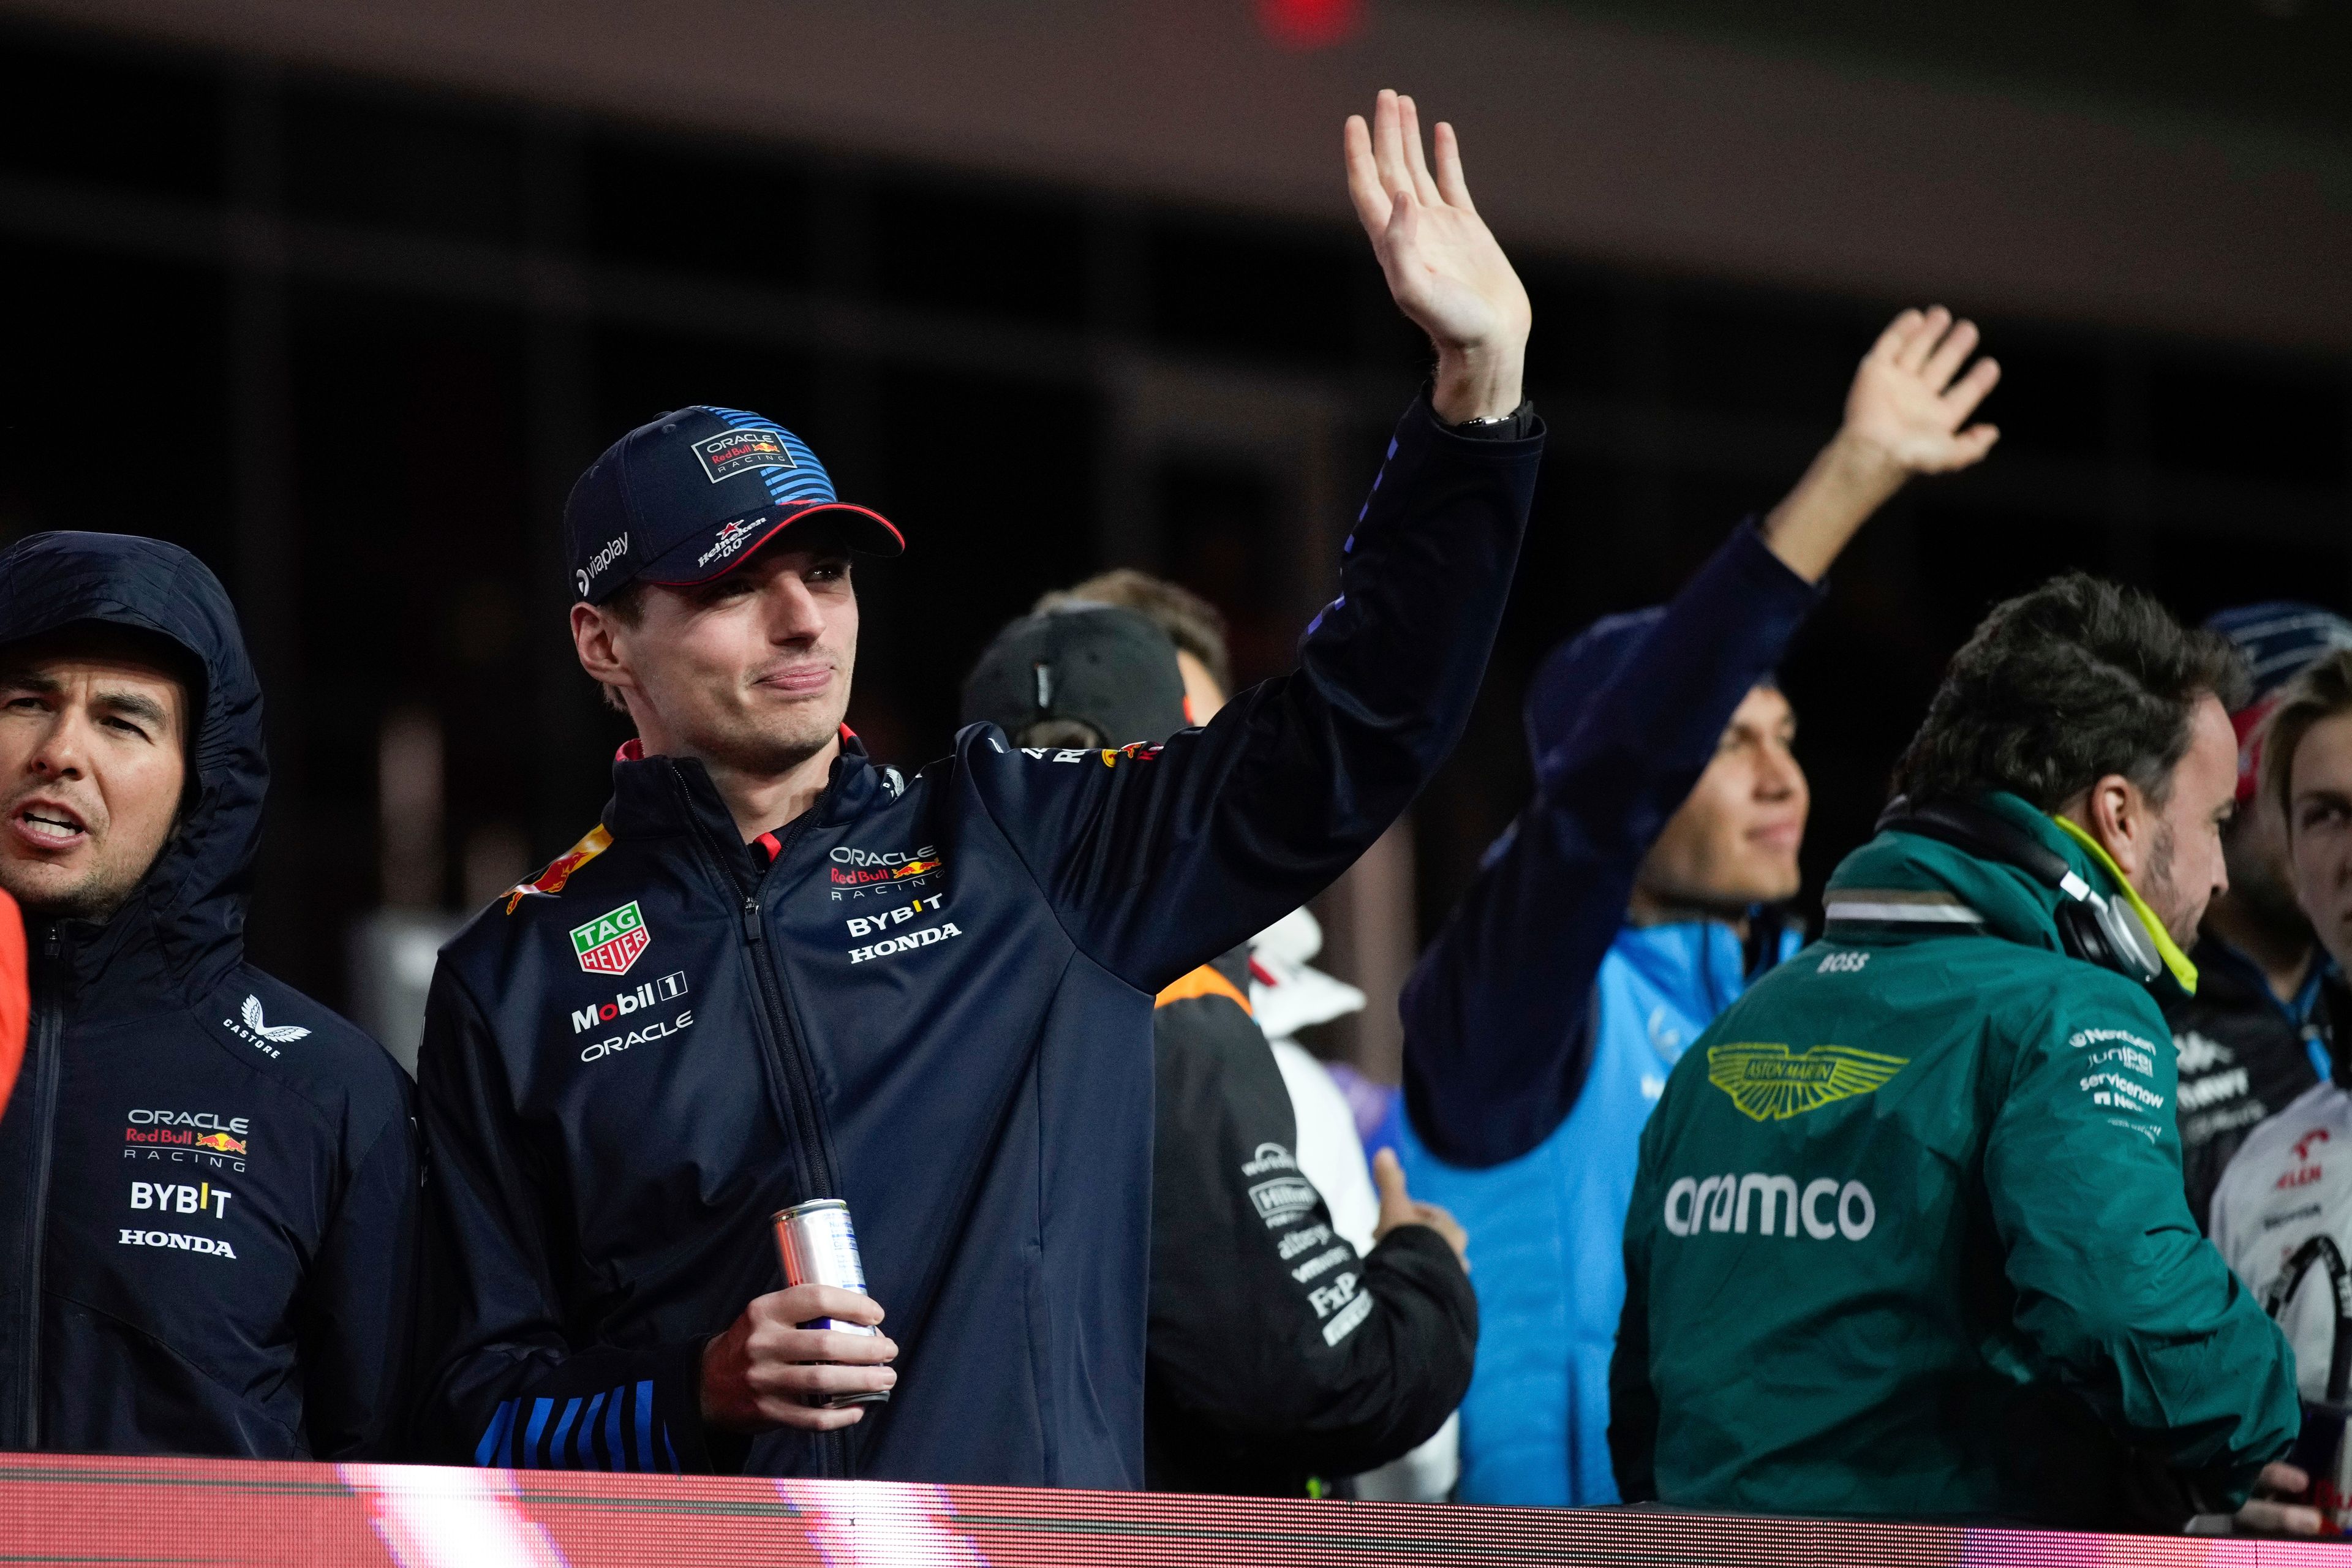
[[818, 1246], [808, 1356]]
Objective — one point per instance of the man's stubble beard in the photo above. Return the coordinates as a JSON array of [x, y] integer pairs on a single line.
[[770, 749], [2180, 920], [98, 897]]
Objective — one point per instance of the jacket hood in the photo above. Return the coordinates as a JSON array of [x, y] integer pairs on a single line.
[[2013, 904], [183, 928]]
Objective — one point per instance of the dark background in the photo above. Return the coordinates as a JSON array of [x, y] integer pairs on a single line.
[[350, 342]]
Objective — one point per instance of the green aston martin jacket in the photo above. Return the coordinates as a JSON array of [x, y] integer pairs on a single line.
[[1908, 1238]]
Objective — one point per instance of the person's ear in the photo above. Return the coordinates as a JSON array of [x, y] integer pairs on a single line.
[[2118, 816], [599, 638], [593, 638]]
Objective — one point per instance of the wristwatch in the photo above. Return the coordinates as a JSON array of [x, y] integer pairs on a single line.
[[1514, 425]]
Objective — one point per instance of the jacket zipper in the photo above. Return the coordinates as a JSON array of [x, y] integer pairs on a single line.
[[800, 1087], [48, 1017], [782, 1043]]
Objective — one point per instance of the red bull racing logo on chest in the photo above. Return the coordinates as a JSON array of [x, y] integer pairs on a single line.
[[611, 941], [871, 869]]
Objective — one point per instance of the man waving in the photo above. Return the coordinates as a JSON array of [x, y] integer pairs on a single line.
[[777, 972]]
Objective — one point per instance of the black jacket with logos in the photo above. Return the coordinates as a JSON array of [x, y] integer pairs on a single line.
[[1276, 1353], [208, 1215], [2242, 1057], [935, 1002]]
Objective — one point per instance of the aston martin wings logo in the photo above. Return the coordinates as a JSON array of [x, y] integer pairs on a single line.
[[1772, 1083], [276, 1033]]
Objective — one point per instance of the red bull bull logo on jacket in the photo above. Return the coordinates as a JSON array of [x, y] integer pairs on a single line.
[[611, 941]]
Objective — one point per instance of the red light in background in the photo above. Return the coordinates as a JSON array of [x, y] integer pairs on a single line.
[[1309, 24]]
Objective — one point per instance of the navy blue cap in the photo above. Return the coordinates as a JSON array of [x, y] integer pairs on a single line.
[[2281, 639], [1567, 678], [692, 495]]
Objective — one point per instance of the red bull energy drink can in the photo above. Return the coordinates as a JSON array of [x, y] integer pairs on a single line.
[[818, 1246]]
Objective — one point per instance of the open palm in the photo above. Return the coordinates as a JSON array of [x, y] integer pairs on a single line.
[[1445, 268], [1905, 402]]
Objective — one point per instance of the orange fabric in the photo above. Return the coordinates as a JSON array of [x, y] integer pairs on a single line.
[[1203, 981], [15, 998]]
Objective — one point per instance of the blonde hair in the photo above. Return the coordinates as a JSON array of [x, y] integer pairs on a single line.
[[2322, 691]]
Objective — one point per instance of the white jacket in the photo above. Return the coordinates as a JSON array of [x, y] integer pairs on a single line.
[[2292, 1179]]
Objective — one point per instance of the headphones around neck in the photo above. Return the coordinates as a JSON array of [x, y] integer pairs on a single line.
[[2091, 926]]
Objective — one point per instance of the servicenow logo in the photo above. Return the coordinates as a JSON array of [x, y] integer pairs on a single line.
[[1824, 1206]]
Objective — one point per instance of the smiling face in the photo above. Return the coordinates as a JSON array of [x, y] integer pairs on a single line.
[[93, 757], [749, 672], [1734, 842]]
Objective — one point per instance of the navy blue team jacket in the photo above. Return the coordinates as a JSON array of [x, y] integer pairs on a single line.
[[208, 1211], [935, 1004]]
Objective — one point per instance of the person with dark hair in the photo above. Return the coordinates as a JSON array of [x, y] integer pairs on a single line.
[[208, 1182], [1933, 1158], [777, 972], [2250, 1040], [1629, 903], [1274, 1356]]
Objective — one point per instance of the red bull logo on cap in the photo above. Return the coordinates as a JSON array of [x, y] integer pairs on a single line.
[[611, 942], [733, 451]]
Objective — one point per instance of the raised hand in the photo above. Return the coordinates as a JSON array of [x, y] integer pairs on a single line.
[[1444, 270], [1904, 416], [1905, 402]]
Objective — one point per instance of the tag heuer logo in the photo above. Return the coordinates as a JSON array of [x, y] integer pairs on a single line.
[[1772, 1083], [611, 942]]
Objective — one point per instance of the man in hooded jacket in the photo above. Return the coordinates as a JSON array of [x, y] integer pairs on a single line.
[[207, 1181]]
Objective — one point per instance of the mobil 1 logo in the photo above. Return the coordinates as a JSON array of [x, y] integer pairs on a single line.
[[669, 987], [647, 1019]]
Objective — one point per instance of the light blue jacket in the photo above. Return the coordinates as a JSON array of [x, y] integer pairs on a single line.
[[1545, 1227], [1539, 1028]]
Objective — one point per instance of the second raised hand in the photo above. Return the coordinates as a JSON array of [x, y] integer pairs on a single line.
[[1444, 267], [1905, 402], [1907, 413]]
